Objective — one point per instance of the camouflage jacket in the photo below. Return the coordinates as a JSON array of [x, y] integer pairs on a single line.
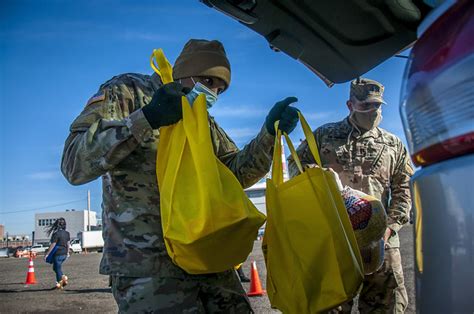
[[376, 163], [111, 138]]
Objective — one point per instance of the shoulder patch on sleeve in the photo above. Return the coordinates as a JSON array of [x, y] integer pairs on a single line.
[[99, 96]]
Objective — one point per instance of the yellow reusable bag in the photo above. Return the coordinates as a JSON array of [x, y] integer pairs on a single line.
[[313, 262], [209, 224]]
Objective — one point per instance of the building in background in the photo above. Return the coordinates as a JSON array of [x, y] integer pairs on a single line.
[[15, 240], [76, 221], [256, 194], [2, 231]]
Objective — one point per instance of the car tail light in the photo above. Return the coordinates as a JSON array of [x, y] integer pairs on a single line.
[[437, 101]]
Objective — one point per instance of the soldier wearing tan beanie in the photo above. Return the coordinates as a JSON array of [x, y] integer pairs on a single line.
[[202, 58], [115, 138]]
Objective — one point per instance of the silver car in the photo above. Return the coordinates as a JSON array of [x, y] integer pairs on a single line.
[[437, 108], [4, 252], [39, 248]]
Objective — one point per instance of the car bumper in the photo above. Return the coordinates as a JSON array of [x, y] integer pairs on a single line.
[[443, 197]]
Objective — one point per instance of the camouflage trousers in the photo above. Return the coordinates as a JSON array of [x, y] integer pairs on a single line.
[[383, 291], [213, 293]]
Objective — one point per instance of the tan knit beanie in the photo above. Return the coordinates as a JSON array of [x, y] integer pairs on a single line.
[[202, 58]]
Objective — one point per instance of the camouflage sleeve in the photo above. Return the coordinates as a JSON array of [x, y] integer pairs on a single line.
[[304, 155], [101, 136], [252, 162], [400, 204]]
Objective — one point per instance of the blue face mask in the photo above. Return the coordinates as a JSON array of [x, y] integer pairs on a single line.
[[198, 89]]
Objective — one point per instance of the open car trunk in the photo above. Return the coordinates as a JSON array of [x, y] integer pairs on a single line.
[[336, 39]]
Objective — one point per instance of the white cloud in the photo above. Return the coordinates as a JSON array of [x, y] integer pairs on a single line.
[[239, 134], [147, 36], [318, 116], [245, 35], [238, 111], [171, 10], [43, 175]]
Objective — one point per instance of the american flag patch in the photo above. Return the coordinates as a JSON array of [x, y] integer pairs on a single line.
[[99, 96]]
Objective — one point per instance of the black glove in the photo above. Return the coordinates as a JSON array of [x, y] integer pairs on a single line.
[[165, 106], [287, 115]]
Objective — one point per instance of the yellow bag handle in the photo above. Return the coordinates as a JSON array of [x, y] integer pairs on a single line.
[[418, 228], [310, 139], [163, 67], [277, 167]]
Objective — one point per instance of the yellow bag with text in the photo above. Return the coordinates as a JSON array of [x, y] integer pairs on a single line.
[[209, 224], [313, 262]]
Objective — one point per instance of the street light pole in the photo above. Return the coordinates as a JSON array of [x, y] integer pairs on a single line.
[[88, 210]]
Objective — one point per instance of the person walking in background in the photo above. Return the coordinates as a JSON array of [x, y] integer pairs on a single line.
[[59, 249]]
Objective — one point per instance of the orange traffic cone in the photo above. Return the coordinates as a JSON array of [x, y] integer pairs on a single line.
[[30, 276], [255, 285]]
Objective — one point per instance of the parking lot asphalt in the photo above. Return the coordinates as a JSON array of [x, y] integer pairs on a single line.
[[89, 292]]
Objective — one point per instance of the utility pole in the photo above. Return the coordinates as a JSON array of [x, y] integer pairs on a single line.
[[8, 246], [88, 210]]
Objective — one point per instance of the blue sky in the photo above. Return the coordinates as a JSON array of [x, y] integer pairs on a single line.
[[55, 54]]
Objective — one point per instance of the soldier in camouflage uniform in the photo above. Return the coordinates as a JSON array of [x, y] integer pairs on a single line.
[[115, 137], [374, 161]]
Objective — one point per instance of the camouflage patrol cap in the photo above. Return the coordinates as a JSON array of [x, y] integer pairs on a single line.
[[201, 57], [366, 90]]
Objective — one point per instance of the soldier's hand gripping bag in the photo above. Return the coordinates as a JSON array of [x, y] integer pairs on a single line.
[[209, 224], [313, 262]]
